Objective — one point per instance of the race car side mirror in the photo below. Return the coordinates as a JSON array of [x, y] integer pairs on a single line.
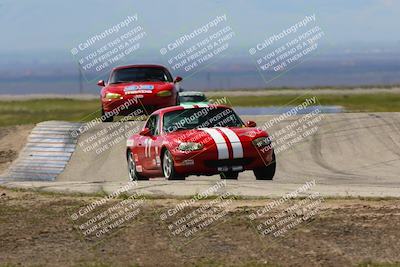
[[178, 79], [145, 132], [251, 124], [101, 83]]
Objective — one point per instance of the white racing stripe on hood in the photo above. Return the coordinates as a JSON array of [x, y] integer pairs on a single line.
[[187, 106], [222, 147], [203, 105], [237, 147]]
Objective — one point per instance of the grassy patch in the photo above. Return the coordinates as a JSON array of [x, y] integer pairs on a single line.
[[324, 87], [34, 111], [360, 102]]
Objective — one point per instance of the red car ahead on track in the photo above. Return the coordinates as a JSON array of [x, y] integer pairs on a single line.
[[202, 140], [129, 88]]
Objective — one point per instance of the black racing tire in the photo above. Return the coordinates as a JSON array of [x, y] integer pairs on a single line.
[[229, 175], [133, 174], [105, 118], [168, 167], [267, 172]]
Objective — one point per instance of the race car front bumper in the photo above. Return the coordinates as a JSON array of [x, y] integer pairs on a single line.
[[127, 104], [206, 162]]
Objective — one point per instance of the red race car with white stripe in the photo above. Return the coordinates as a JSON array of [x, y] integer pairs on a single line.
[[199, 140], [134, 87]]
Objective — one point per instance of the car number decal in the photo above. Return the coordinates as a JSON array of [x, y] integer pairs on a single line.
[[147, 148]]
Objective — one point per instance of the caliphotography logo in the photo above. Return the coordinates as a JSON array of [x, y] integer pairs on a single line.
[[199, 133]]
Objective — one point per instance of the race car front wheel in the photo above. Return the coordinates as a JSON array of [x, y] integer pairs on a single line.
[[106, 117], [267, 172], [133, 175], [168, 167], [229, 175]]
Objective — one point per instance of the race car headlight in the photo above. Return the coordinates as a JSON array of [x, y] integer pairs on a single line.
[[262, 142], [164, 93], [112, 96], [190, 146]]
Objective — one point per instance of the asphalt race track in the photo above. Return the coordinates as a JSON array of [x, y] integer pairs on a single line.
[[348, 154]]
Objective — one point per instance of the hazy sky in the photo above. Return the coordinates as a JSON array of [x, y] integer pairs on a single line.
[[49, 25]]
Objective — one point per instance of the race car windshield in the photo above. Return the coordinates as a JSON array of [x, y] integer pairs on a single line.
[[140, 75], [192, 98], [200, 118]]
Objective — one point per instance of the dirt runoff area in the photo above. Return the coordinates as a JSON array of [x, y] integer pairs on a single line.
[[38, 229], [12, 140]]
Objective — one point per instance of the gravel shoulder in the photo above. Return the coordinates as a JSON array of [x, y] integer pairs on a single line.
[[36, 230], [12, 140]]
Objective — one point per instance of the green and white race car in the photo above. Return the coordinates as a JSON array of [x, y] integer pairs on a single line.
[[193, 98]]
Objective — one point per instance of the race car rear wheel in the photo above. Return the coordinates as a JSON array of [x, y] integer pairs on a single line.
[[105, 118], [168, 167], [133, 175], [229, 175], [267, 172]]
